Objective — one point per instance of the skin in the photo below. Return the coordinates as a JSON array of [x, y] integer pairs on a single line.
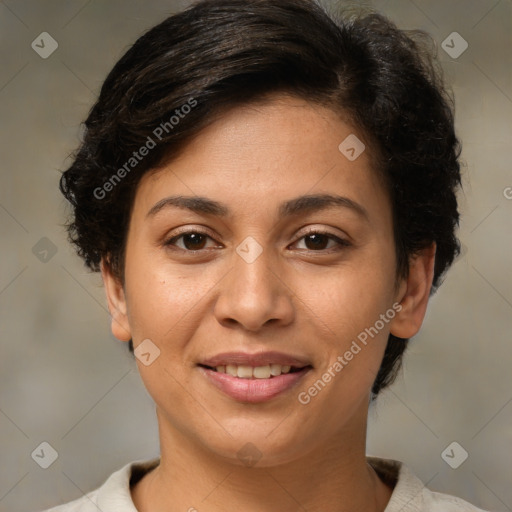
[[296, 297]]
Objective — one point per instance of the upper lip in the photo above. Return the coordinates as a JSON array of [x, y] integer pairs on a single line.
[[257, 359]]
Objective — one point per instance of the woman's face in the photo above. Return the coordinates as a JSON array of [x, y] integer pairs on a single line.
[[248, 277]]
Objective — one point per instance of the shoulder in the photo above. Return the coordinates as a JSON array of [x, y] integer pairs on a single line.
[[410, 494], [114, 494]]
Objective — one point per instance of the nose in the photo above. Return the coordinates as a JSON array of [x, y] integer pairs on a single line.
[[254, 294]]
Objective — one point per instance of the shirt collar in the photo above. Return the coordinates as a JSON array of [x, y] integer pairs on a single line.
[[408, 489], [115, 495]]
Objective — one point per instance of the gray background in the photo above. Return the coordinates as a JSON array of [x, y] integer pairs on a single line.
[[65, 380]]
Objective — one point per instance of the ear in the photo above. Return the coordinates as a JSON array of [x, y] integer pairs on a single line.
[[116, 304], [414, 293]]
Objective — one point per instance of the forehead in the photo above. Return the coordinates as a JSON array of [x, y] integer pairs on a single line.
[[282, 146]]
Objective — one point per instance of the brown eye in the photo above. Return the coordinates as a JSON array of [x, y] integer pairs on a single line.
[[192, 240], [318, 241]]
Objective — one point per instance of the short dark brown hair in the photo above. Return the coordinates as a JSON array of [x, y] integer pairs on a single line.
[[219, 54]]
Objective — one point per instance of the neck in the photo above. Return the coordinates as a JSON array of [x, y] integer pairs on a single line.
[[332, 478]]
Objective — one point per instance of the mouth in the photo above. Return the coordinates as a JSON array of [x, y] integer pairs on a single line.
[[268, 371], [254, 378]]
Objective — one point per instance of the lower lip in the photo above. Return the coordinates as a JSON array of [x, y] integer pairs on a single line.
[[253, 390]]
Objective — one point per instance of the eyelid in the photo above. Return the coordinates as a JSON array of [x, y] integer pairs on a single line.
[[323, 231], [191, 229]]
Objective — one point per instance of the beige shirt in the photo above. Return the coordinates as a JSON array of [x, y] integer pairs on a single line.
[[409, 493]]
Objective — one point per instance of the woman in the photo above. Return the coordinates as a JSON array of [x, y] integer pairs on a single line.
[[269, 194]]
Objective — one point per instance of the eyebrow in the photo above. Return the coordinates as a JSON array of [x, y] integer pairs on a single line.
[[299, 205]]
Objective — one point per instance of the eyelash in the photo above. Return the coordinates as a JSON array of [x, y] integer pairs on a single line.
[[341, 242]]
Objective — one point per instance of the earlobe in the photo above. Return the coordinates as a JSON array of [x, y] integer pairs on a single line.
[[116, 304], [414, 293]]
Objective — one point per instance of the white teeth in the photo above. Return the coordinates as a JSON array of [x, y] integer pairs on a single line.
[[230, 369], [244, 372], [258, 372], [275, 369], [261, 372]]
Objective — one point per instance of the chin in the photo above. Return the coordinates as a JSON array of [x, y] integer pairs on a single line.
[[258, 447]]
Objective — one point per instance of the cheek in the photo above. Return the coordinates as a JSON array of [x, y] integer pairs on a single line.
[[165, 308], [350, 300], [346, 309], [167, 304]]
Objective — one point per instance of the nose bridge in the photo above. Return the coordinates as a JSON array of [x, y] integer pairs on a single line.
[[253, 269], [253, 294]]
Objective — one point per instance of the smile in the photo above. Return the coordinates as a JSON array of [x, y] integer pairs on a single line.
[[259, 372], [250, 388]]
